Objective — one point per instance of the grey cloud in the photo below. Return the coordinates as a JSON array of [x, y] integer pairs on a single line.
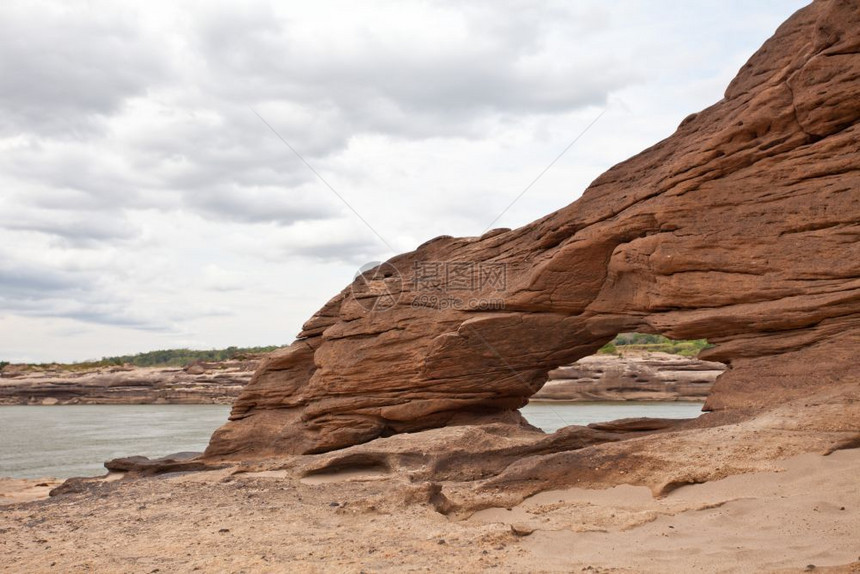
[[245, 175], [34, 291], [112, 317], [195, 144], [237, 149], [499, 69], [355, 250], [199, 146], [23, 284], [62, 71], [73, 229], [72, 176], [260, 205]]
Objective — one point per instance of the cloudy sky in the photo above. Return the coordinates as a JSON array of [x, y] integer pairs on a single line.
[[145, 203]]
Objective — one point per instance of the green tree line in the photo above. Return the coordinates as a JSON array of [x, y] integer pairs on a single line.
[[646, 342], [163, 358], [181, 357]]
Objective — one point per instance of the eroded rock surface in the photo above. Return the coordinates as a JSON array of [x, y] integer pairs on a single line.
[[743, 227]]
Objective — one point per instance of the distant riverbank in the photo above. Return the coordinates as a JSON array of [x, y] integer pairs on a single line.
[[200, 383]]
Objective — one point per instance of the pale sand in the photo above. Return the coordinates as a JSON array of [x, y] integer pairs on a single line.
[[271, 522], [807, 515], [18, 490]]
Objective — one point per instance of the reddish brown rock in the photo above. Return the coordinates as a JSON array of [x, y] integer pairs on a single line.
[[743, 228]]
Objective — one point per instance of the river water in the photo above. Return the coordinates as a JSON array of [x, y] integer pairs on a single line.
[[75, 440]]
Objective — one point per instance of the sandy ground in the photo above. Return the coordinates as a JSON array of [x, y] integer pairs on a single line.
[[17, 490], [805, 518], [807, 515]]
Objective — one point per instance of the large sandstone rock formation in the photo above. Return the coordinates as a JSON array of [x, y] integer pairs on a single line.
[[743, 227]]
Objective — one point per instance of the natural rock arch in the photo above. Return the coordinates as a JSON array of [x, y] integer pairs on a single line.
[[634, 367], [742, 228]]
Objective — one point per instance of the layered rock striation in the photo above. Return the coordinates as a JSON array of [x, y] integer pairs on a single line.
[[743, 227]]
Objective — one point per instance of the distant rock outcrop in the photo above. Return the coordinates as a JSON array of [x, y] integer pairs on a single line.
[[632, 377], [743, 227], [202, 383]]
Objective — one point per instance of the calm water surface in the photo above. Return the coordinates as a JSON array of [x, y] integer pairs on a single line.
[[552, 416], [75, 440]]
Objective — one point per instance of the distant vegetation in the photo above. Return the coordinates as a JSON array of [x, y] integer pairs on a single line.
[[163, 358], [643, 342], [181, 357]]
